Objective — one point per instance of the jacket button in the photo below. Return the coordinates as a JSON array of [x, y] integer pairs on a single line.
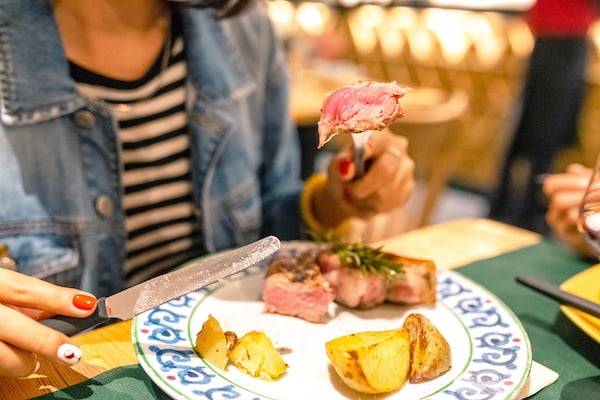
[[104, 206], [85, 118], [6, 261]]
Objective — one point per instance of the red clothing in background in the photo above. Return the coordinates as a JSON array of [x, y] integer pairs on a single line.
[[561, 17]]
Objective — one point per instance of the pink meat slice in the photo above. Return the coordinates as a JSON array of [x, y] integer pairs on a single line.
[[352, 287], [416, 284], [295, 287], [357, 289], [360, 107]]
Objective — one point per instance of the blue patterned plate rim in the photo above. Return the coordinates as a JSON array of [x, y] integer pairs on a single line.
[[490, 348]]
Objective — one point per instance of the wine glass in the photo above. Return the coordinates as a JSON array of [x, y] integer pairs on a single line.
[[589, 211]]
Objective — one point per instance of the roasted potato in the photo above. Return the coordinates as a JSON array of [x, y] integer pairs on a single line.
[[371, 362], [231, 338], [255, 354], [211, 343], [430, 354]]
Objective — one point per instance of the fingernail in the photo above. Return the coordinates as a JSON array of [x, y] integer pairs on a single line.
[[69, 353], [84, 302], [37, 367], [344, 166]]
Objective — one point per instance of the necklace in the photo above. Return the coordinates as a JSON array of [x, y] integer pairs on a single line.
[[164, 63]]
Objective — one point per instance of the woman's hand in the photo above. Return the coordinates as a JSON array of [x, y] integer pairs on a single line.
[[25, 300], [565, 192], [386, 185]]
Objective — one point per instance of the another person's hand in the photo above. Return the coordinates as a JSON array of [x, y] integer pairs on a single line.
[[565, 192], [386, 185], [24, 301]]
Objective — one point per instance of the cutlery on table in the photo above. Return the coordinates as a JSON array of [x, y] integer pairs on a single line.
[[566, 298], [144, 296]]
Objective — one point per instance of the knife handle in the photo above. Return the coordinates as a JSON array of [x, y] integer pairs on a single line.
[[560, 295], [71, 325]]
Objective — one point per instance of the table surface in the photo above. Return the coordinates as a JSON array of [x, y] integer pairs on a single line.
[[451, 244]]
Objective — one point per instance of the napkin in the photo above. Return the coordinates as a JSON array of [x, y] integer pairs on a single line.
[[539, 377]]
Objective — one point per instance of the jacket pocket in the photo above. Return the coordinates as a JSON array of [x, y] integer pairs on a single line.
[[48, 256], [236, 219]]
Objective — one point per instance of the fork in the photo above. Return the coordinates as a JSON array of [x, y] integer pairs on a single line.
[[360, 140]]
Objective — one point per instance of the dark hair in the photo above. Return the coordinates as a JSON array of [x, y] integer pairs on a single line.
[[224, 8]]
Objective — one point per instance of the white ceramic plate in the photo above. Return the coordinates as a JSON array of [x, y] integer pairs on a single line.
[[491, 353]]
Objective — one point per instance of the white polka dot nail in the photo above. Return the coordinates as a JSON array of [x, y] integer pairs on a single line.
[[69, 353]]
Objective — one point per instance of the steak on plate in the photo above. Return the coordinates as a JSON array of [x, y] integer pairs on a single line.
[[415, 284], [352, 287], [295, 286]]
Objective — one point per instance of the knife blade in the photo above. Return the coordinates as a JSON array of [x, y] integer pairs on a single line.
[[144, 296], [563, 297]]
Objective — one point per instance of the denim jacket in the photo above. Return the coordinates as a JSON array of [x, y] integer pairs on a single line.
[[61, 214]]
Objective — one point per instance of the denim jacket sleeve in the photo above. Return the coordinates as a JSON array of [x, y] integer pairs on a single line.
[[251, 183]]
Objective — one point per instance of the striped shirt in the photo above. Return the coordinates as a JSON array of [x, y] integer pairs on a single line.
[[159, 217]]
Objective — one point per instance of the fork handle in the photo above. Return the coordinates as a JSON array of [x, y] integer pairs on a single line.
[[360, 141]]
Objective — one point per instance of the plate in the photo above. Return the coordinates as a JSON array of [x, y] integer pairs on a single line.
[[491, 353], [587, 285]]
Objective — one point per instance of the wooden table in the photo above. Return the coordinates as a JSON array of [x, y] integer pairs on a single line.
[[450, 244]]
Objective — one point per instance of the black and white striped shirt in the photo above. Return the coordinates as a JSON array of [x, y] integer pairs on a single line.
[[159, 218]]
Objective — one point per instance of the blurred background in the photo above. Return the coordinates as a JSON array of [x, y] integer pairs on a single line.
[[464, 60]]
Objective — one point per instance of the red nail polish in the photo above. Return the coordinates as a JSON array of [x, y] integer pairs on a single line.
[[344, 166], [84, 302]]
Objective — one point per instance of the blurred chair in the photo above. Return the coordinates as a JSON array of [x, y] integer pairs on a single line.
[[432, 124]]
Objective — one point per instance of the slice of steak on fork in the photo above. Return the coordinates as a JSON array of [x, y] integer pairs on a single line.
[[360, 107]]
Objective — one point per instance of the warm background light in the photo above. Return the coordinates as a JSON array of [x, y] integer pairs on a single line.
[[480, 47], [362, 22], [313, 17], [282, 13]]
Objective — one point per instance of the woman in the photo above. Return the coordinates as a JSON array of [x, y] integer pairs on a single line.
[[139, 134]]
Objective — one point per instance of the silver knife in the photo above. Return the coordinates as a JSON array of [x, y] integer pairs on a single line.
[[144, 296]]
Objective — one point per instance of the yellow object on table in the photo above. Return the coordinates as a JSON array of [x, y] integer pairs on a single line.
[[587, 285]]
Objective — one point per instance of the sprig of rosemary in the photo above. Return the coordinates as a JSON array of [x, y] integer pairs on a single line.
[[359, 256]]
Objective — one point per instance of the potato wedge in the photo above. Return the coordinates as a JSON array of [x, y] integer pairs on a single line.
[[255, 354], [211, 343], [430, 352], [371, 362]]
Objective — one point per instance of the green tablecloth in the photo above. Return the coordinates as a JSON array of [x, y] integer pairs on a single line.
[[556, 342], [124, 383]]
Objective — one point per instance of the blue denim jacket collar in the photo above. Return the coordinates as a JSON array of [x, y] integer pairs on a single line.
[[214, 67], [45, 90]]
